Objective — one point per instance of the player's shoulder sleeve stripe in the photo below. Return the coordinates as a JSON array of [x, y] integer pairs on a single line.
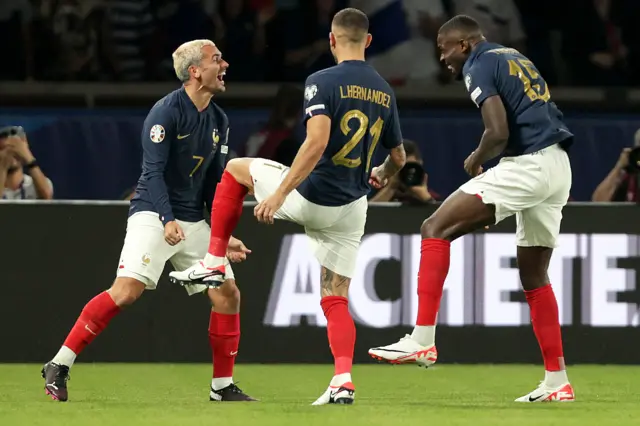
[[312, 108]]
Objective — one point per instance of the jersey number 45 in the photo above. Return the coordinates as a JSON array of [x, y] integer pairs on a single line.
[[532, 81]]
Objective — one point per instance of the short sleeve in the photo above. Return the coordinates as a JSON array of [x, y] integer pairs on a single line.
[[480, 81], [392, 136], [317, 97]]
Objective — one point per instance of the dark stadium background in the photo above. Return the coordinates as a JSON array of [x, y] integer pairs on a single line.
[[84, 123]]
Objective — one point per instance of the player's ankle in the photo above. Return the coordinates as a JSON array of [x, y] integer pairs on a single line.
[[424, 335]]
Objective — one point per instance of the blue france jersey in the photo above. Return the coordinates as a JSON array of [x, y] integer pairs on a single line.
[[363, 113], [184, 155], [535, 122]]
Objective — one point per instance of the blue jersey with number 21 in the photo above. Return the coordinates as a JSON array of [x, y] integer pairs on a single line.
[[535, 122], [363, 113]]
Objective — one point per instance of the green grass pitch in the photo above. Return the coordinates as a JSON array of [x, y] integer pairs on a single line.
[[177, 395]]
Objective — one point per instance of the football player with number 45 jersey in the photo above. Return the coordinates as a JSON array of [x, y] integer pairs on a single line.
[[349, 111], [184, 144], [531, 181]]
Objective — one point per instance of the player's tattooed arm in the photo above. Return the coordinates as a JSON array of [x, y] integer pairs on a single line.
[[395, 161], [496, 130], [332, 284]]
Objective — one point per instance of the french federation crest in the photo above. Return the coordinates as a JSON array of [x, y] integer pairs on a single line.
[[216, 138], [310, 92], [467, 81]]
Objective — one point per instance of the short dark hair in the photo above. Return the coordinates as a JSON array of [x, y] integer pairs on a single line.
[[411, 149], [463, 23], [354, 21]]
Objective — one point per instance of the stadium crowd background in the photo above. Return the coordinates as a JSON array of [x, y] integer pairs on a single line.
[[574, 43]]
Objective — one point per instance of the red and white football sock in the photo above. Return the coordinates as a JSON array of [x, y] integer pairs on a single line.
[[546, 326], [225, 214], [341, 331], [94, 318], [434, 267], [224, 338]]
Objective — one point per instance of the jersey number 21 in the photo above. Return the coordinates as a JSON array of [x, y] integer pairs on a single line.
[[340, 158]]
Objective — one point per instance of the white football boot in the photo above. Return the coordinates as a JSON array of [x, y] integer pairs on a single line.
[[544, 393], [344, 394], [406, 351], [199, 274]]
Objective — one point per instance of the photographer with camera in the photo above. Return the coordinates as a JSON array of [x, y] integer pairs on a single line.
[[409, 185], [623, 182], [20, 175]]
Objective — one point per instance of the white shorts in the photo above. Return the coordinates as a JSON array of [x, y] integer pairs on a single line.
[[535, 187], [145, 252], [334, 232]]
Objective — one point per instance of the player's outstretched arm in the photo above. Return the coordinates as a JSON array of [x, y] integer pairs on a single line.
[[495, 137], [318, 130]]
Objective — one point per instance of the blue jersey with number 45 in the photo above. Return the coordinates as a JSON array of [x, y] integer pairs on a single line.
[[363, 113], [535, 122]]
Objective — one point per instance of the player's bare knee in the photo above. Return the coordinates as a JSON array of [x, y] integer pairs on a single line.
[[332, 284], [239, 169], [125, 291], [432, 229]]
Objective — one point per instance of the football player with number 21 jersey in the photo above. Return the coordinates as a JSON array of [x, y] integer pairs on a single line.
[[531, 181], [184, 144], [349, 111]]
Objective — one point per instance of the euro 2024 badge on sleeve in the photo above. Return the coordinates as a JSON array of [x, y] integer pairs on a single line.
[[157, 133]]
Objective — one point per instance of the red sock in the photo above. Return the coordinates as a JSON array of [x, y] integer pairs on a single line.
[[225, 213], [546, 326], [434, 267], [224, 338], [93, 319], [341, 331]]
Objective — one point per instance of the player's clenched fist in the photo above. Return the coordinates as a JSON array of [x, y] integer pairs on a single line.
[[173, 233], [377, 179], [237, 251]]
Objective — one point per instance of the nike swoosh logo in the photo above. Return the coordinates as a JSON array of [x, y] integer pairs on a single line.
[[194, 277], [184, 136], [86, 327], [233, 353], [536, 398]]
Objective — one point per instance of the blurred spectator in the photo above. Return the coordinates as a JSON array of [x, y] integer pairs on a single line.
[[425, 18], [595, 41], [176, 22], [75, 32], [243, 42], [623, 182], [16, 47], [277, 140], [20, 175], [409, 185], [307, 40], [499, 20], [129, 28], [391, 51]]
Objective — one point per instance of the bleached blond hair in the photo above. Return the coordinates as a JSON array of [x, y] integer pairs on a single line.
[[188, 54]]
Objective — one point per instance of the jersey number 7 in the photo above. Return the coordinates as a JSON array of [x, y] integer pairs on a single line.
[[340, 158], [532, 90]]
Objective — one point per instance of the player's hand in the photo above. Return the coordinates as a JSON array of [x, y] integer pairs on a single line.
[[173, 233], [6, 159], [20, 146], [623, 161], [266, 209], [237, 251], [471, 166], [377, 179]]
